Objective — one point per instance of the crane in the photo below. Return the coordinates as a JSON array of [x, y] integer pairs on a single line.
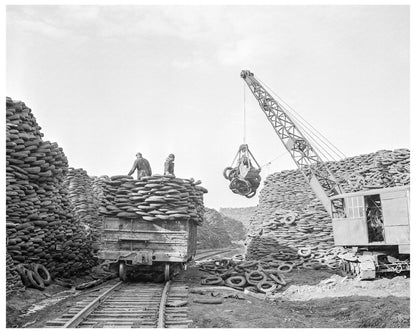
[[316, 173], [373, 223]]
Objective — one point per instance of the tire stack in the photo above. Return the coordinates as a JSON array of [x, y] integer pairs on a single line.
[[290, 215], [39, 224], [14, 283], [98, 187], [153, 198], [84, 203]]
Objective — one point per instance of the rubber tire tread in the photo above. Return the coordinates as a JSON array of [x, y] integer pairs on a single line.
[[35, 280], [47, 281]]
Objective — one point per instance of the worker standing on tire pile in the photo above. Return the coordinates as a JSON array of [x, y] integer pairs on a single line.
[[142, 165], [170, 166]]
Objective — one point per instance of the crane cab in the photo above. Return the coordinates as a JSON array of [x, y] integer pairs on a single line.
[[372, 218]]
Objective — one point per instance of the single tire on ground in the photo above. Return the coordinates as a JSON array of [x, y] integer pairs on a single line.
[[43, 273], [35, 279], [266, 286], [212, 280], [122, 271], [236, 281]]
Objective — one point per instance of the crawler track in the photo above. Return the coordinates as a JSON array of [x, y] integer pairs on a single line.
[[144, 305]]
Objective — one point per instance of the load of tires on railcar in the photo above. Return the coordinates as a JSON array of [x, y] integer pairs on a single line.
[[150, 223]]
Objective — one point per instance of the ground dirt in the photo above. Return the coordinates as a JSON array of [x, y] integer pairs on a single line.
[[312, 299]]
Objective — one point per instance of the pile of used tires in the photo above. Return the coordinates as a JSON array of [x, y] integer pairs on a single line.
[[267, 275], [84, 203], [153, 198], [40, 226], [289, 214], [14, 282], [34, 275]]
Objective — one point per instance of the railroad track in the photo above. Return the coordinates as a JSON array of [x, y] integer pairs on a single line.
[[211, 253], [135, 305]]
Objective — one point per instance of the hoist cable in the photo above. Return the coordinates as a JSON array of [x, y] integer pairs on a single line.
[[318, 138], [311, 137], [321, 137], [277, 157], [244, 119]]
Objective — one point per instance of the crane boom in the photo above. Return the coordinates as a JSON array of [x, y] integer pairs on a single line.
[[316, 173]]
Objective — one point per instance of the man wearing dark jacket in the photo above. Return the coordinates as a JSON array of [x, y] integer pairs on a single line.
[[142, 165], [170, 166]]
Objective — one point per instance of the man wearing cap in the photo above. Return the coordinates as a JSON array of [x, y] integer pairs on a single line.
[[142, 165], [170, 166]]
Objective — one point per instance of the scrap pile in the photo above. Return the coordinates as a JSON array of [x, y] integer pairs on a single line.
[[290, 215], [84, 203], [153, 198], [39, 224], [384, 168], [266, 275], [14, 283], [97, 186]]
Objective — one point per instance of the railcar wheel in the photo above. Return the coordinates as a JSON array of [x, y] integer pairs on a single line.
[[167, 272], [122, 271]]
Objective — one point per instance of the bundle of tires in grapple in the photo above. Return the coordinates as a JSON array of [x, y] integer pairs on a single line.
[[290, 215], [153, 198], [39, 224]]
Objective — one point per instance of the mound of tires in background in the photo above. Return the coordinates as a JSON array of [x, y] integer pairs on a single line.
[[242, 214], [84, 193], [40, 226], [290, 215], [219, 231]]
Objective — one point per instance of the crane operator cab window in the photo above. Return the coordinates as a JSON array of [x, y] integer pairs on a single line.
[[349, 207], [338, 209], [355, 207]]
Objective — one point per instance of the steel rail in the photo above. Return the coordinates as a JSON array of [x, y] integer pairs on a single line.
[[162, 306], [205, 256], [81, 315]]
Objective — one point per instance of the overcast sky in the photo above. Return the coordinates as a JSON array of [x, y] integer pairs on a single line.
[[107, 82]]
